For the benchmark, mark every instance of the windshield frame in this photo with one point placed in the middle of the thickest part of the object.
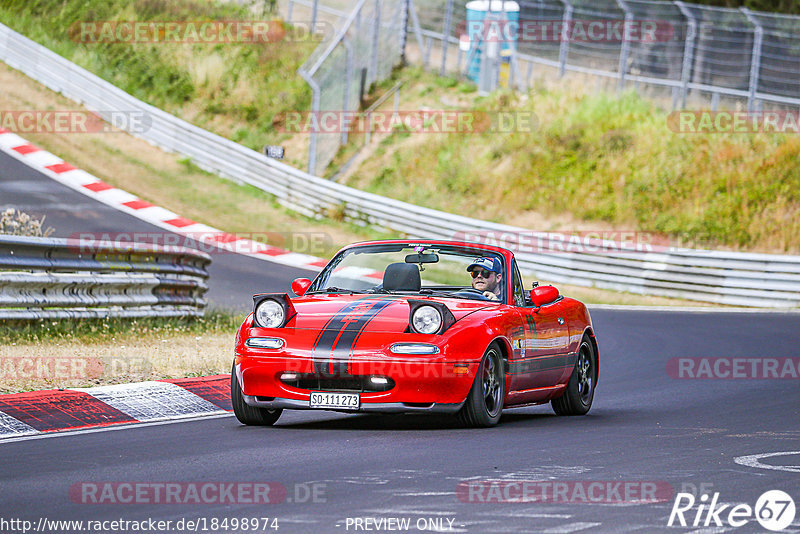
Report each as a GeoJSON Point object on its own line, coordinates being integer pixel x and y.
{"type": "Point", "coordinates": [464, 249]}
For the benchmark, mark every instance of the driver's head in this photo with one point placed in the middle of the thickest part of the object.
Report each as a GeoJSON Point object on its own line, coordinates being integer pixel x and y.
{"type": "Point", "coordinates": [486, 274]}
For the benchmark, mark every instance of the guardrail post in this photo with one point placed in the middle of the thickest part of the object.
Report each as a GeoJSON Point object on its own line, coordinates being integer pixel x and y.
{"type": "Point", "coordinates": [626, 44]}
{"type": "Point", "coordinates": [563, 51]}
{"type": "Point", "coordinates": [373, 68]}
{"type": "Point", "coordinates": [448, 18]}
{"type": "Point", "coordinates": [688, 51]}
{"type": "Point", "coordinates": [755, 58]}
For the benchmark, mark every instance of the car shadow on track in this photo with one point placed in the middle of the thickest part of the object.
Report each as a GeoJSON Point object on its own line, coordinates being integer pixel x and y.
{"type": "Point", "coordinates": [413, 422]}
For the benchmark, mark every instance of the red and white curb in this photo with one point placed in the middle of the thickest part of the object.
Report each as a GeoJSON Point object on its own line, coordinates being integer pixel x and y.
{"type": "Point", "coordinates": [91, 186]}
{"type": "Point", "coordinates": [43, 412]}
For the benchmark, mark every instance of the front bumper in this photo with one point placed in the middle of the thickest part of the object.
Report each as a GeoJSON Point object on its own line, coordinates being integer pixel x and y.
{"type": "Point", "coordinates": [375, 407]}
{"type": "Point", "coordinates": [424, 384]}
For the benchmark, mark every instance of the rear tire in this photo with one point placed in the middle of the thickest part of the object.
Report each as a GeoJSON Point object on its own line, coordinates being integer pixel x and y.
{"type": "Point", "coordinates": [249, 415]}
{"type": "Point", "coordinates": [484, 403]}
{"type": "Point", "coordinates": [579, 394]}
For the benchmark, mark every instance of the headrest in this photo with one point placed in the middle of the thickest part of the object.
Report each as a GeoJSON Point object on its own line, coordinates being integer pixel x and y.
{"type": "Point", "coordinates": [401, 277]}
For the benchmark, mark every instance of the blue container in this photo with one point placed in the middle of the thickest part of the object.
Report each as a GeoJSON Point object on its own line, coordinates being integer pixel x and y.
{"type": "Point", "coordinates": [489, 23]}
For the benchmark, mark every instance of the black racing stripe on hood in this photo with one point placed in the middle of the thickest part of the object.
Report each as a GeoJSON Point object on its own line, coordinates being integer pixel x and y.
{"type": "Point", "coordinates": [336, 339]}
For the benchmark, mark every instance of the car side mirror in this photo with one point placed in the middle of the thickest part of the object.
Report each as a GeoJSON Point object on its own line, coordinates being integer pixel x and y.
{"type": "Point", "coordinates": [542, 295]}
{"type": "Point", "coordinates": [300, 286]}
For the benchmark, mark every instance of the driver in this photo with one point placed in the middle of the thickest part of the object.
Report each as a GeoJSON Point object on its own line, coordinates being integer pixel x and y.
{"type": "Point", "coordinates": [487, 275]}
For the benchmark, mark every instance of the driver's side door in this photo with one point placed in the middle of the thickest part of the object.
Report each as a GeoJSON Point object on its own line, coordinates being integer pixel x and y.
{"type": "Point", "coordinates": [542, 355]}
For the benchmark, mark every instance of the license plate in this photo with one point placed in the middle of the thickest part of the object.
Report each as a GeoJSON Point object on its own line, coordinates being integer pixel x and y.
{"type": "Point", "coordinates": [341, 401]}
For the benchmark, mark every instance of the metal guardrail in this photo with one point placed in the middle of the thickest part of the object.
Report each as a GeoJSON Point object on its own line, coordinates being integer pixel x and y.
{"type": "Point", "coordinates": [43, 278]}
{"type": "Point", "coordinates": [721, 277]}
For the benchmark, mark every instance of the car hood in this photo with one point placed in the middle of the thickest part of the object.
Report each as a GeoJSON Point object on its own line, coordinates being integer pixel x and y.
{"type": "Point", "coordinates": [374, 313]}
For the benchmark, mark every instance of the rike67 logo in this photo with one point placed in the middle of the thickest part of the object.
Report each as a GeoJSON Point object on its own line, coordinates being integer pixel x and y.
{"type": "Point", "coordinates": [774, 510]}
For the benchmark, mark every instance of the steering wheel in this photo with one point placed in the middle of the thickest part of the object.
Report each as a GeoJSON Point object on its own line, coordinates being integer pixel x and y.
{"type": "Point", "coordinates": [472, 293]}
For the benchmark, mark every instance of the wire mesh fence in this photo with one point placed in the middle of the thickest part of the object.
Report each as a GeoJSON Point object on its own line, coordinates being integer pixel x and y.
{"type": "Point", "coordinates": [688, 49]}
{"type": "Point", "coordinates": [367, 45]}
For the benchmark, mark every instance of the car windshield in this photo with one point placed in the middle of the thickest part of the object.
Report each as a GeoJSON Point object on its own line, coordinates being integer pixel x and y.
{"type": "Point", "coordinates": [408, 268]}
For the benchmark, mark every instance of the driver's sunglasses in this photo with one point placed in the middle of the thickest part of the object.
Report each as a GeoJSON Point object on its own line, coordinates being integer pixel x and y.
{"type": "Point", "coordinates": [480, 272]}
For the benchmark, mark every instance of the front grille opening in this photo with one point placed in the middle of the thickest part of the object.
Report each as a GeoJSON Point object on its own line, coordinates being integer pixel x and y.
{"type": "Point", "coordinates": [360, 383]}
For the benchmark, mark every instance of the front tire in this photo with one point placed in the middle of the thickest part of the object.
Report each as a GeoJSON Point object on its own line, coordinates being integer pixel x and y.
{"type": "Point", "coordinates": [484, 403]}
{"type": "Point", "coordinates": [249, 415]}
{"type": "Point", "coordinates": [579, 394]}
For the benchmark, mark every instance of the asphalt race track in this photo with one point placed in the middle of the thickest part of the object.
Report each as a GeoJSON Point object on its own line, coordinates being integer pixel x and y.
{"type": "Point", "coordinates": [645, 427]}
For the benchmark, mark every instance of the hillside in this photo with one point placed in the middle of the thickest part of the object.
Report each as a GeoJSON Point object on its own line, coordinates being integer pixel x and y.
{"type": "Point", "coordinates": [592, 158]}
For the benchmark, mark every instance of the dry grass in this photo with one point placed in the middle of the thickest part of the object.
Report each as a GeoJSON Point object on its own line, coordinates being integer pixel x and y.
{"type": "Point", "coordinates": [128, 358]}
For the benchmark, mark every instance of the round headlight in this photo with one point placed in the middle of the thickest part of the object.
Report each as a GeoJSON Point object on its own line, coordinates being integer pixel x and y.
{"type": "Point", "coordinates": [270, 314]}
{"type": "Point", "coordinates": [426, 320]}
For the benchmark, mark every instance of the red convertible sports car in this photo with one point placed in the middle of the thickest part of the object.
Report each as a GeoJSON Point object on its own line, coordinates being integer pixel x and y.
{"type": "Point", "coordinates": [415, 326]}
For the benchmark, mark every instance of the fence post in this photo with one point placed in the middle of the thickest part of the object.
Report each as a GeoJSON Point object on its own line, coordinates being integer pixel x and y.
{"type": "Point", "coordinates": [688, 51]}
{"type": "Point", "coordinates": [755, 58]}
{"type": "Point", "coordinates": [404, 31]}
{"type": "Point", "coordinates": [417, 28]}
{"type": "Point", "coordinates": [373, 65]}
{"type": "Point", "coordinates": [314, 9]}
{"type": "Point", "coordinates": [348, 81]}
{"type": "Point", "coordinates": [289, 11]}
{"type": "Point", "coordinates": [448, 18]}
{"type": "Point", "coordinates": [626, 44]}
{"type": "Point", "coordinates": [565, 36]}
{"type": "Point", "coordinates": [358, 22]}
{"type": "Point", "coordinates": [312, 145]}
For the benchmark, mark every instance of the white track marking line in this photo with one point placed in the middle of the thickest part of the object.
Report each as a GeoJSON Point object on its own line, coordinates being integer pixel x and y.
{"type": "Point", "coordinates": [571, 527]}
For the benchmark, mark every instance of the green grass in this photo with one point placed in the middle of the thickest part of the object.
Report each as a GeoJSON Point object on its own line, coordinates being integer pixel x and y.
{"type": "Point", "coordinates": [235, 90]}
{"type": "Point", "coordinates": [602, 157]}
